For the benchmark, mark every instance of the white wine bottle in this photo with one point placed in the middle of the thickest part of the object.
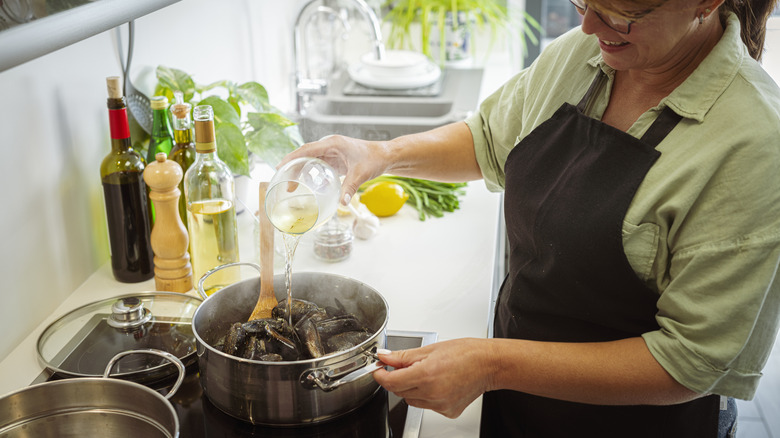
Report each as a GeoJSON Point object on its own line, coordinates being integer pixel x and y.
{"type": "Point", "coordinates": [211, 212]}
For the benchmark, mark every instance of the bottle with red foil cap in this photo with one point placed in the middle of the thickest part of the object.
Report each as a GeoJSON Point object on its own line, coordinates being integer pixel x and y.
{"type": "Point", "coordinates": [126, 197]}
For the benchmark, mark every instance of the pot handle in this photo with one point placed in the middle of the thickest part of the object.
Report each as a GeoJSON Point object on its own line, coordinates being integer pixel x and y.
{"type": "Point", "coordinates": [164, 354]}
{"type": "Point", "coordinates": [203, 278]}
{"type": "Point", "coordinates": [322, 378]}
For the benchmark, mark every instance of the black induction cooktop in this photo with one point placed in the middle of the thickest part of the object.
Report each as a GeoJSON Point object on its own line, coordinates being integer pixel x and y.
{"type": "Point", "coordinates": [384, 415]}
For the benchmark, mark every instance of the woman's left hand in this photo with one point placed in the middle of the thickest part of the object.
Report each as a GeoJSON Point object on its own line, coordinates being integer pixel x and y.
{"type": "Point", "coordinates": [445, 377]}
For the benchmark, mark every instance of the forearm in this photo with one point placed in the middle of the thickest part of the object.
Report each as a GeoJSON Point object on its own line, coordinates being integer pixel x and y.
{"type": "Point", "coordinates": [443, 154]}
{"type": "Point", "coordinates": [608, 373]}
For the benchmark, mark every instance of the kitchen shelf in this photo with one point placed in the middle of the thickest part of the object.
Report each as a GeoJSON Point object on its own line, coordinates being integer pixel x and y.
{"type": "Point", "coordinates": [40, 36]}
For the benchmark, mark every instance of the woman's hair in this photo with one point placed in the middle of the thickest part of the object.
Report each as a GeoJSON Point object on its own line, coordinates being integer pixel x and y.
{"type": "Point", "coordinates": [753, 15]}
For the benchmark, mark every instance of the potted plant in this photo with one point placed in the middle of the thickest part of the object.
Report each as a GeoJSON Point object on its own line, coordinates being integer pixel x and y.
{"type": "Point", "coordinates": [451, 21]}
{"type": "Point", "coordinates": [245, 121]}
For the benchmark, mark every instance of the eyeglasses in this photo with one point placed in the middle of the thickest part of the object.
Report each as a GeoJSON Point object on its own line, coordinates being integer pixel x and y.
{"type": "Point", "coordinates": [619, 25]}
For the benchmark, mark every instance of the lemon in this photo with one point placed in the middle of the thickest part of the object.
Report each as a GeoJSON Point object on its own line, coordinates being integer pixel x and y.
{"type": "Point", "coordinates": [384, 198]}
{"type": "Point", "coordinates": [345, 211]}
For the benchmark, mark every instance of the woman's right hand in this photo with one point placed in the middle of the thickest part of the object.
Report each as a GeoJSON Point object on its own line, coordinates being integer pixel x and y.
{"type": "Point", "coordinates": [445, 153]}
{"type": "Point", "coordinates": [358, 160]}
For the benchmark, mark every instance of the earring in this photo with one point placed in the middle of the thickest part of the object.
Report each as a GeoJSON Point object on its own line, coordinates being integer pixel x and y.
{"type": "Point", "coordinates": [701, 16]}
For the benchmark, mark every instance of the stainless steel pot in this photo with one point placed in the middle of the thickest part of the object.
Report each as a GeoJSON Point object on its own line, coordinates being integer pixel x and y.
{"type": "Point", "coordinates": [294, 392]}
{"type": "Point", "coordinates": [90, 406]}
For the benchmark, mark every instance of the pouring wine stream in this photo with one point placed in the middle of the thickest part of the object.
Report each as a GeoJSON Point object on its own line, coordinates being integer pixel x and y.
{"type": "Point", "coordinates": [302, 195]}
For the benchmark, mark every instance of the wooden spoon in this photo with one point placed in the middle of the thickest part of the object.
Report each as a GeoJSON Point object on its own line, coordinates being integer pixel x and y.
{"type": "Point", "coordinates": [267, 299]}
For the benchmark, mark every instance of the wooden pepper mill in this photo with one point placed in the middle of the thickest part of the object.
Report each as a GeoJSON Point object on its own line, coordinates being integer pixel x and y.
{"type": "Point", "coordinates": [172, 269]}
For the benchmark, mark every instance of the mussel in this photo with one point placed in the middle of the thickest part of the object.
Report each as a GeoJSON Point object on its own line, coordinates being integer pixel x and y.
{"type": "Point", "coordinates": [316, 331]}
{"type": "Point", "coordinates": [338, 324]}
{"type": "Point", "coordinates": [306, 329]}
{"type": "Point", "coordinates": [235, 341]}
{"type": "Point", "coordinates": [298, 308]}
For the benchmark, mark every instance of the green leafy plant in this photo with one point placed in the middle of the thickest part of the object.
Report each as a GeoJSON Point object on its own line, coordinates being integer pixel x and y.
{"type": "Point", "coordinates": [244, 119]}
{"type": "Point", "coordinates": [434, 14]}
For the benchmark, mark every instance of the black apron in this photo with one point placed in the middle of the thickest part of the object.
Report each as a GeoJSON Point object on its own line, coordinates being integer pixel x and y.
{"type": "Point", "coordinates": [568, 187]}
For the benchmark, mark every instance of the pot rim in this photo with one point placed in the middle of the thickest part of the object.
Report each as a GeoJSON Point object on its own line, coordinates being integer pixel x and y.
{"type": "Point", "coordinates": [347, 353]}
{"type": "Point", "coordinates": [129, 385]}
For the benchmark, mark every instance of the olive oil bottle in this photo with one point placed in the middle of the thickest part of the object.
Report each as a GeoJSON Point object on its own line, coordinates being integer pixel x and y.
{"type": "Point", "coordinates": [161, 139]}
{"type": "Point", "coordinates": [126, 199]}
{"type": "Point", "coordinates": [211, 213]}
{"type": "Point", "coordinates": [183, 150]}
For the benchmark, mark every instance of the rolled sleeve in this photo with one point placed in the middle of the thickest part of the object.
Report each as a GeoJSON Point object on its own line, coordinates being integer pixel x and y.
{"type": "Point", "coordinates": [495, 129]}
{"type": "Point", "coordinates": [719, 316]}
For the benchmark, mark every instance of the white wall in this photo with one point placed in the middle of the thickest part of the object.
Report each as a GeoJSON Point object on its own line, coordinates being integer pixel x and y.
{"type": "Point", "coordinates": [54, 130]}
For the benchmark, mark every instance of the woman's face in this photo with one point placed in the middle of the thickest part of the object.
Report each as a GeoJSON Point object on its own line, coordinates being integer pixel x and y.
{"type": "Point", "coordinates": [657, 41]}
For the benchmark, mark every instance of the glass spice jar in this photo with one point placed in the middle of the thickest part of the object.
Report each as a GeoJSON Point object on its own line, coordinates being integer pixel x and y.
{"type": "Point", "coordinates": [333, 241]}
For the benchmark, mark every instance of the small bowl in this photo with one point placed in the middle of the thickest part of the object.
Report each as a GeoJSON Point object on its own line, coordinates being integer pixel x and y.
{"type": "Point", "coordinates": [395, 63]}
{"type": "Point", "coordinates": [333, 242]}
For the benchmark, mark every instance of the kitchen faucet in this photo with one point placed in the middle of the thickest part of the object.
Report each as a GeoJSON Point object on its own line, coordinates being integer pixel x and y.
{"type": "Point", "coordinates": [304, 84]}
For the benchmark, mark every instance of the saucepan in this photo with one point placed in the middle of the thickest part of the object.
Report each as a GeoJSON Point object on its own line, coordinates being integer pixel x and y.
{"type": "Point", "coordinates": [80, 407]}
{"type": "Point", "coordinates": [289, 393]}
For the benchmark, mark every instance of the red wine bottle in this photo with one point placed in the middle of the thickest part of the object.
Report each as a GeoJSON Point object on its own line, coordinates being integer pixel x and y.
{"type": "Point", "coordinates": [125, 194]}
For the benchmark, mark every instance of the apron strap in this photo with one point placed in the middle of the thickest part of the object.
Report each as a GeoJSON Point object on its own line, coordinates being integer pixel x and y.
{"type": "Point", "coordinates": [662, 126]}
{"type": "Point", "coordinates": [595, 86]}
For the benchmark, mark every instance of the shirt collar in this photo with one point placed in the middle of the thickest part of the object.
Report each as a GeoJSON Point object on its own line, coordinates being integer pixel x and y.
{"type": "Point", "coordinates": [696, 95]}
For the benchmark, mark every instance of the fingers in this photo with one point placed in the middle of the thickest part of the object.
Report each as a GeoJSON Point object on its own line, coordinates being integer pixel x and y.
{"type": "Point", "coordinates": [317, 149]}
{"type": "Point", "coordinates": [357, 160]}
{"type": "Point", "coordinates": [351, 185]}
{"type": "Point", "coordinates": [445, 377]}
{"type": "Point", "coordinates": [401, 358]}
{"type": "Point", "coordinates": [406, 376]}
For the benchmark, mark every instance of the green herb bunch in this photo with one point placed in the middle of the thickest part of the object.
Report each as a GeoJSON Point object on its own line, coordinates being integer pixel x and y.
{"type": "Point", "coordinates": [429, 198]}
{"type": "Point", "coordinates": [244, 119]}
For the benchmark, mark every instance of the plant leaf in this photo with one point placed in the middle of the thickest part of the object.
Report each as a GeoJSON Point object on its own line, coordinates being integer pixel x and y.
{"type": "Point", "coordinates": [255, 95]}
{"type": "Point", "coordinates": [259, 121]}
{"type": "Point", "coordinates": [223, 111]}
{"type": "Point", "coordinates": [231, 148]}
{"type": "Point", "coordinates": [273, 142]}
{"type": "Point", "coordinates": [173, 79]}
{"type": "Point", "coordinates": [203, 88]}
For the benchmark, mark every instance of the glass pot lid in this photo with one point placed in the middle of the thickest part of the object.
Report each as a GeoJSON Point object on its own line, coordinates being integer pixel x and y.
{"type": "Point", "coordinates": [81, 342]}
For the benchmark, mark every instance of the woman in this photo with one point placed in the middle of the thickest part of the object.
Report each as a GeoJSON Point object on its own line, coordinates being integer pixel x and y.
{"type": "Point", "coordinates": [641, 166]}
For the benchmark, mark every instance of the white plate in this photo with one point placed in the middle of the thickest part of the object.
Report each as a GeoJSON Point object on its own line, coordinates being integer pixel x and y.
{"type": "Point", "coordinates": [395, 63]}
{"type": "Point", "coordinates": [360, 74]}
{"type": "Point", "coordinates": [394, 59]}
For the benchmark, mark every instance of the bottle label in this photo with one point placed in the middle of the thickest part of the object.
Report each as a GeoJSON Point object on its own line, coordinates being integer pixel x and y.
{"type": "Point", "coordinates": [117, 120]}
{"type": "Point", "coordinates": [205, 148]}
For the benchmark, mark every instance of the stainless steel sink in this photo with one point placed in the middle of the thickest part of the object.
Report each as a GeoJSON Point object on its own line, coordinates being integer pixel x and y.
{"type": "Point", "coordinates": [381, 115]}
{"type": "Point", "coordinates": [371, 108]}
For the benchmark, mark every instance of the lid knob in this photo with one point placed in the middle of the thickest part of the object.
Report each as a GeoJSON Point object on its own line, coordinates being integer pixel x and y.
{"type": "Point", "coordinates": [128, 313]}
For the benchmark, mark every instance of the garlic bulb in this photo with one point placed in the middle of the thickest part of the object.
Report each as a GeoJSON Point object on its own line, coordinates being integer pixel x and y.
{"type": "Point", "coordinates": [366, 223]}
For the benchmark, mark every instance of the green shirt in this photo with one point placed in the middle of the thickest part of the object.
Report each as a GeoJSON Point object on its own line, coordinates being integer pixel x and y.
{"type": "Point", "coordinates": [703, 229]}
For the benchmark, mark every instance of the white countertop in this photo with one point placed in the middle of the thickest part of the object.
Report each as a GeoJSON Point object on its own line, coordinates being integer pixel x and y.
{"type": "Point", "coordinates": [436, 275]}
